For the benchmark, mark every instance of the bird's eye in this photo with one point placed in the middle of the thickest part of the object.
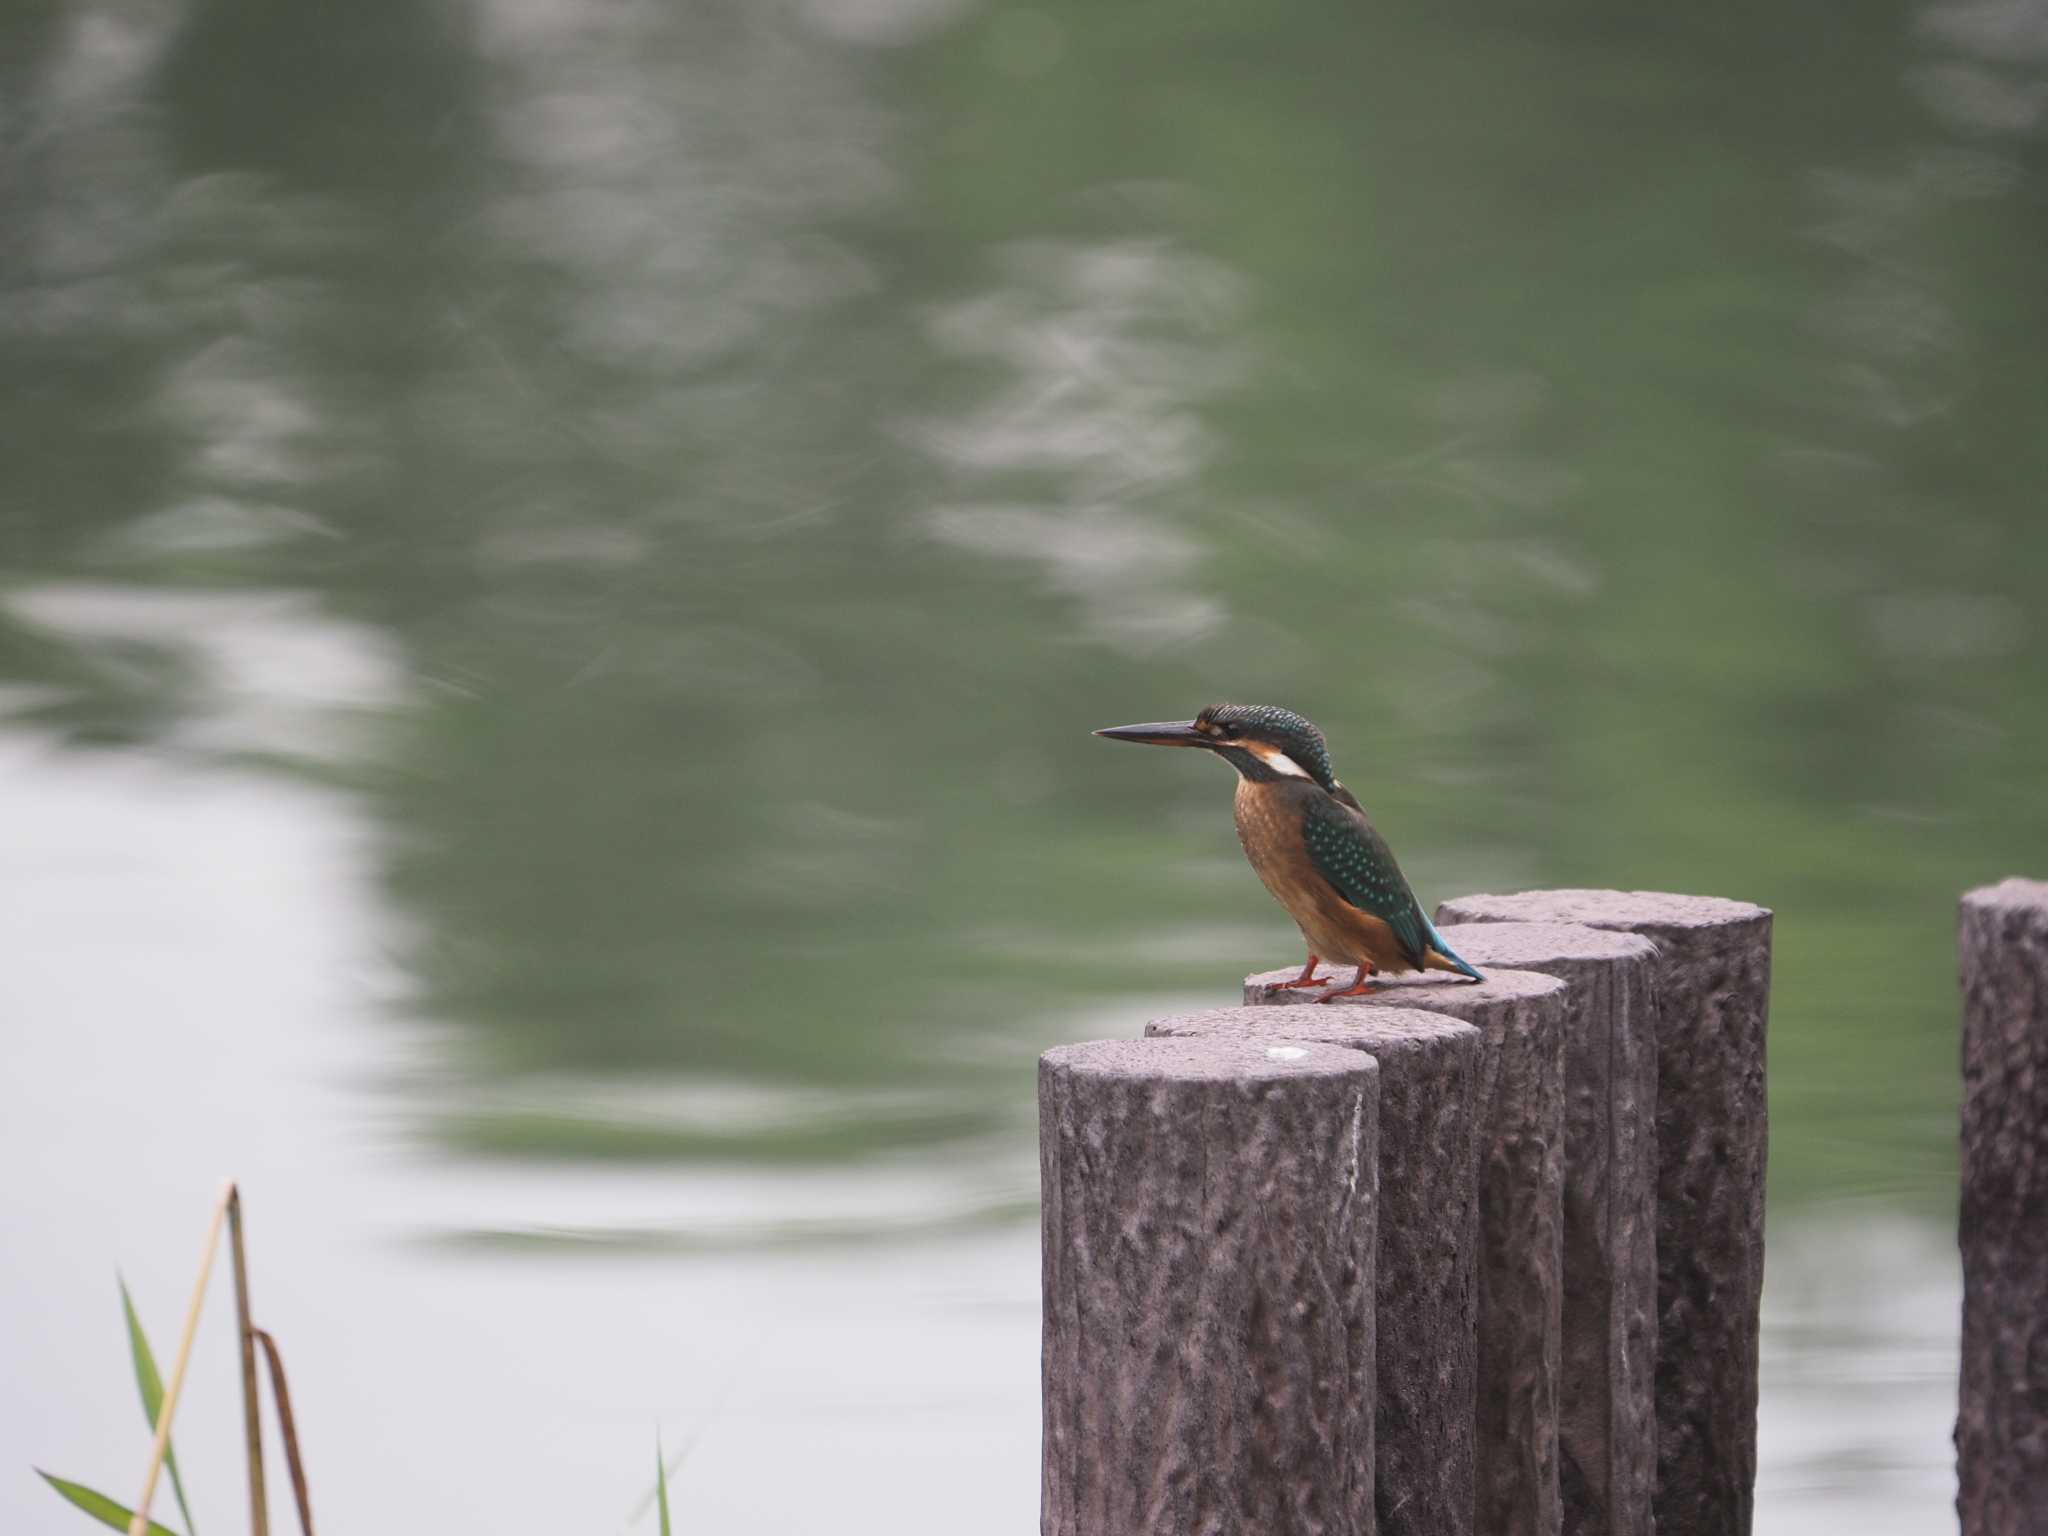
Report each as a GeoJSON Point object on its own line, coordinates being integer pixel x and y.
{"type": "Point", "coordinates": [1230, 730]}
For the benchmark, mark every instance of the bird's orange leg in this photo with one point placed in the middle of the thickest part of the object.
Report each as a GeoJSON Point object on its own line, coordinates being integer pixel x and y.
{"type": "Point", "coordinates": [1307, 978]}
{"type": "Point", "coordinates": [1358, 988]}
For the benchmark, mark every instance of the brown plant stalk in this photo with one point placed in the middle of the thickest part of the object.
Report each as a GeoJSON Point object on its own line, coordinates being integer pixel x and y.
{"type": "Point", "coordinates": [289, 1429]}
{"type": "Point", "coordinates": [252, 1405]}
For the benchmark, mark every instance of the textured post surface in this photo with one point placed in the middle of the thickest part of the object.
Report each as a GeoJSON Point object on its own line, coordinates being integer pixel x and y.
{"type": "Point", "coordinates": [2002, 1420]}
{"type": "Point", "coordinates": [1607, 1405]}
{"type": "Point", "coordinates": [1209, 1226]}
{"type": "Point", "coordinates": [1520, 1018]}
{"type": "Point", "coordinates": [1428, 1242]}
{"type": "Point", "coordinates": [1714, 983]}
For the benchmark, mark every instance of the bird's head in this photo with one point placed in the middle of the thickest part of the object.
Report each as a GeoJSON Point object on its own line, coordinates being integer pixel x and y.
{"type": "Point", "coordinates": [1259, 740]}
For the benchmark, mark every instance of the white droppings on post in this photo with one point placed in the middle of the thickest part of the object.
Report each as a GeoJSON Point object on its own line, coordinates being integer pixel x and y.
{"type": "Point", "coordinates": [1284, 1053]}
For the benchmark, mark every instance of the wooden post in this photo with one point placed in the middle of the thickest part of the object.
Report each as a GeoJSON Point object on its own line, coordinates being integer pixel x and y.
{"type": "Point", "coordinates": [1713, 981]}
{"type": "Point", "coordinates": [1209, 1226]}
{"type": "Point", "coordinates": [1428, 1243]}
{"type": "Point", "coordinates": [1607, 1403]}
{"type": "Point", "coordinates": [2002, 1420]}
{"type": "Point", "coordinates": [1521, 1019]}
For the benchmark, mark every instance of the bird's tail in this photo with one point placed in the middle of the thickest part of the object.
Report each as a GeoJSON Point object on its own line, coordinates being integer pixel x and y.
{"type": "Point", "coordinates": [1441, 957]}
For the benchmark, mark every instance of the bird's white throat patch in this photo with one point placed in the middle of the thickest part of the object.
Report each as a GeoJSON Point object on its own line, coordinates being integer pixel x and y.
{"type": "Point", "coordinates": [1276, 760]}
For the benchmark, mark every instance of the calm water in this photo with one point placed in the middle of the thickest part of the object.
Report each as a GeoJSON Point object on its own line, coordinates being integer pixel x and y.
{"type": "Point", "coordinates": [557, 559]}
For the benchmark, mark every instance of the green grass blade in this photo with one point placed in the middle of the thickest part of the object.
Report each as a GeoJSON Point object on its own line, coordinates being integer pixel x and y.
{"type": "Point", "coordinates": [152, 1387]}
{"type": "Point", "coordinates": [661, 1483]}
{"type": "Point", "coordinates": [98, 1505]}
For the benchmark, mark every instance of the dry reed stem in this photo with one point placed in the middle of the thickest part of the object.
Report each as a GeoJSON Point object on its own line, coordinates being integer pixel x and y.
{"type": "Point", "coordinates": [289, 1429]}
{"type": "Point", "coordinates": [252, 1406]}
{"type": "Point", "coordinates": [138, 1524]}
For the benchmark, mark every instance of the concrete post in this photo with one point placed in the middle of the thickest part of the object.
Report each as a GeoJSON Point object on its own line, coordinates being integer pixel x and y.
{"type": "Point", "coordinates": [2002, 1421]}
{"type": "Point", "coordinates": [1607, 1405]}
{"type": "Point", "coordinates": [1428, 1243]}
{"type": "Point", "coordinates": [1209, 1231]}
{"type": "Point", "coordinates": [1713, 980]}
{"type": "Point", "coordinates": [1521, 1020]}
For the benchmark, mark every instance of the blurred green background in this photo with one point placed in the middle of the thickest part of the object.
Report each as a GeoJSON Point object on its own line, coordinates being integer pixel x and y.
{"type": "Point", "coordinates": [743, 447]}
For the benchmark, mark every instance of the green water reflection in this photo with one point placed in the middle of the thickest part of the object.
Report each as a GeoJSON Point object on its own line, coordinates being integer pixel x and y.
{"type": "Point", "coordinates": [764, 439]}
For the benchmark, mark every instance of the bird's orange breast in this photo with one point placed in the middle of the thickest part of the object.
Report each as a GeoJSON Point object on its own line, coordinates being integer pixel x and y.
{"type": "Point", "coordinates": [1269, 827]}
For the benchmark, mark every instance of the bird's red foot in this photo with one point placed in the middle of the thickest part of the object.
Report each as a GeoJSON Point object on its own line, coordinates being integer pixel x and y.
{"type": "Point", "coordinates": [1358, 988]}
{"type": "Point", "coordinates": [1307, 978]}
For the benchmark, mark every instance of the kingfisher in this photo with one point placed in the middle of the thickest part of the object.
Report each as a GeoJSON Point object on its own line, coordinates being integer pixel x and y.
{"type": "Point", "coordinates": [1312, 844]}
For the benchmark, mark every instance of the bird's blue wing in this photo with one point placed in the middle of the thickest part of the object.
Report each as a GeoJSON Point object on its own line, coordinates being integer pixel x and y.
{"type": "Point", "coordinates": [1349, 852]}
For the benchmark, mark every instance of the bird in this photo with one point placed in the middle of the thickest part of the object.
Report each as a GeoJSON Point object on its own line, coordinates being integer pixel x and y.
{"type": "Point", "coordinates": [1312, 845]}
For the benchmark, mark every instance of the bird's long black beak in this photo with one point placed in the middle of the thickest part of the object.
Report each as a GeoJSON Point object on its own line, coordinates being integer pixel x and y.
{"type": "Point", "coordinates": [1160, 733]}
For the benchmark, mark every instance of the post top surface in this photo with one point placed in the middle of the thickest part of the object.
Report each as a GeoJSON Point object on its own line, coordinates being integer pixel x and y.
{"type": "Point", "coordinates": [1523, 944]}
{"type": "Point", "coordinates": [2015, 893]}
{"type": "Point", "coordinates": [1349, 1028]}
{"type": "Point", "coordinates": [1431, 990]}
{"type": "Point", "coordinates": [1275, 1055]}
{"type": "Point", "coordinates": [1603, 909]}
